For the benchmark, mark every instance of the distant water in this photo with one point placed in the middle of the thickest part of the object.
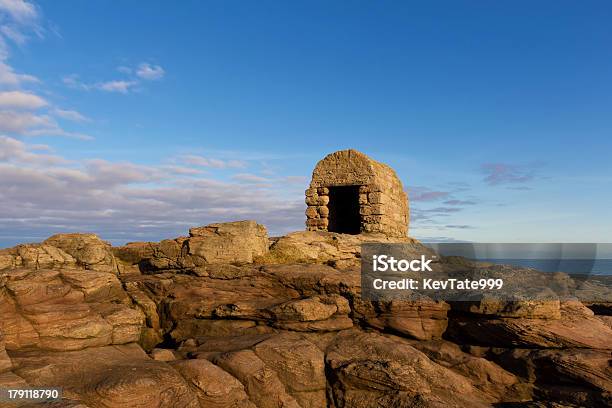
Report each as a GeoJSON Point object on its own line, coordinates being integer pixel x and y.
{"type": "Point", "coordinates": [570, 266]}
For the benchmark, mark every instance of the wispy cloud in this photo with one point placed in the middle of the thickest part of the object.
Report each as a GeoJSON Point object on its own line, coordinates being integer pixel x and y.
{"type": "Point", "coordinates": [116, 86]}
{"type": "Point", "coordinates": [249, 178]}
{"type": "Point", "coordinates": [502, 173]}
{"type": "Point", "coordinates": [71, 115]}
{"type": "Point", "coordinates": [458, 226]}
{"type": "Point", "coordinates": [201, 161]}
{"type": "Point", "coordinates": [459, 202]}
{"type": "Point", "coordinates": [132, 81]}
{"type": "Point", "coordinates": [150, 72]}
{"type": "Point", "coordinates": [18, 18]}
{"type": "Point", "coordinates": [426, 194]}
{"type": "Point", "coordinates": [8, 76]}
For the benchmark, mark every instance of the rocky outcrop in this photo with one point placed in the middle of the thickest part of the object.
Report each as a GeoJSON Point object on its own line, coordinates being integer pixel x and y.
{"type": "Point", "coordinates": [116, 376]}
{"type": "Point", "coordinates": [571, 325]}
{"type": "Point", "coordinates": [338, 250]}
{"type": "Point", "coordinates": [65, 310]}
{"type": "Point", "coordinates": [217, 319]}
{"type": "Point", "coordinates": [213, 386]}
{"type": "Point", "coordinates": [423, 320]}
{"type": "Point", "coordinates": [370, 369]}
{"type": "Point", "coordinates": [62, 251]}
{"type": "Point", "coordinates": [232, 243]}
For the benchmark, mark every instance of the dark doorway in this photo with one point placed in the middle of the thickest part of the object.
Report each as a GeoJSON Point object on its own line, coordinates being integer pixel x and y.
{"type": "Point", "coordinates": [344, 210]}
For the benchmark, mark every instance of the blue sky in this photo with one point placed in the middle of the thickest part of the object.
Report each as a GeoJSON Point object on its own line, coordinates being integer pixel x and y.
{"type": "Point", "coordinates": [140, 119]}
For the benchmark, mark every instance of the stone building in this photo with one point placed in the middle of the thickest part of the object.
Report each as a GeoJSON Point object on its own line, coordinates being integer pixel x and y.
{"type": "Point", "coordinates": [352, 194]}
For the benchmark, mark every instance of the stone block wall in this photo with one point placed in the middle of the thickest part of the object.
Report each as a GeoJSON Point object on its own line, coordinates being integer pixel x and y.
{"type": "Point", "coordinates": [383, 203]}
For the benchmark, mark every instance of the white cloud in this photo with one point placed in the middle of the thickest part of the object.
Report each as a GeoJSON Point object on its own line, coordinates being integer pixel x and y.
{"type": "Point", "coordinates": [249, 178]}
{"type": "Point", "coordinates": [150, 72]}
{"type": "Point", "coordinates": [70, 115]}
{"type": "Point", "coordinates": [16, 18]}
{"type": "Point", "coordinates": [23, 122]}
{"type": "Point", "coordinates": [9, 77]}
{"type": "Point", "coordinates": [196, 160]}
{"type": "Point", "coordinates": [19, 10]}
{"type": "Point", "coordinates": [13, 34]}
{"type": "Point", "coordinates": [19, 109]}
{"type": "Point", "coordinates": [21, 100]}
{"type": "Point", "coordinates": [31, 124]}
{"type": "Point", "coordinates": [13, 150]}
{"type": "Point", "coordinates": [117, 86]}
{"type": "Point", "coordinates": [144, 71]}
{"type": "Point", "coordinates": [125, 201]}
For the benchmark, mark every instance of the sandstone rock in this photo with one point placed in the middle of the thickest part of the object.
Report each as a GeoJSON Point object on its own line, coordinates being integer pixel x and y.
{"type": "Point", "coordinates": [576, 377]}
{"type": "Point", "coordinates": [11, 380]}
{"type": "Point", "coordinates": [369, 369]}
{"type": "Point", "coordinates": [214, 346]}
{"type": "Point", "coordinates": [340, 250]}
{"type": "Point", "coordinates": [299, 365]}
{"type": "Point", "coordinates": [261, 383]}
{"type": "Point", "coordinates": [127, 323]}
{"type": "Point", "coordinates": [311, 279]}
{"type": "Point", "coordinates": [483, 374]}
{"type": "Point", "coordinates": [5, 361]}
{"type": "Point", "coordinates": [88, 250]}
{"type": "Point", "coordinates": [607, 320]}
{"type": "Point", "coordinates": [334, 323]}
{"type": "Point", "coordinates": [35, 256]}
{"type": "Point", "coordinates": [529, 309]}
{"type": "Point", "coordinates": [214, 387]}
{"type": "Point", "coordinates": [162, 355]}
{"type": "Point", "coordinates": [62, 310]}
{"type": "Point", "coordinates": [423, 320]}
{"type": "Point", "coordinates": [111, 376]}
{"type": "Point", "coordinates": [309, 309]}
{"type": "Point", "coordinates": [194, 328]}
{"type": "Point", "coordinates": [577, 327]}
{"type": "Point", "coordinates": [232, 242]}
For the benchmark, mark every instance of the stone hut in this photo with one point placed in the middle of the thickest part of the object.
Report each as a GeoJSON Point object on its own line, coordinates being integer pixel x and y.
{"type": "Point", "coordinates": [352, 194]}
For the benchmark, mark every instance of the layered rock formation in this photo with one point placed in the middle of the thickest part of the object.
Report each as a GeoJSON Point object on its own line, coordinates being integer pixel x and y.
{"type": "Point", "coordinates": [229, 318]}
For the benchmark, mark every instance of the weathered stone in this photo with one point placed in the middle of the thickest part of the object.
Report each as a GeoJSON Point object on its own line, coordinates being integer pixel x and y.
{"type": "Point", "coordinates": [158, 354]}
{"type": "Point", "coordinates": [88, 250]}
{"type": "Point", "coordinates": [111, 376]}
{"type": "Point", "coordinates": [262, 383]}
{"type": "Point", "coordinates": [66, 311]}
{"type": "Point", "coordinates": [483, 374]}
{"type": "Point", "coordinates": [232, 242]}
{"type": "Point", "coordinates": [304, 310]}
{"type": "Point", "coordinates": [369, 369]}
{"type": "Point", "coordinates": [323, 247]}
{"type": "Point", "coordinates": [576, 377]}
{"type": "Point", "coordinates": [214, 387]}
{"type": "Point", "coordinates": [576, 327]}
{"type": "Point", "coordinates": [299, 365]}
{"type": "Point", "coordinates": [423, 320]}
{"type": "Point", "coordinates": [5, 361]}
